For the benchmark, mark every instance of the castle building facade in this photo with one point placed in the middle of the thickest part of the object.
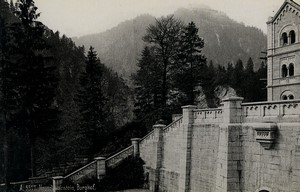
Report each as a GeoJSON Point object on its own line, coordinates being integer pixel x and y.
{"type": "Point", "coordinates": [284, 53]}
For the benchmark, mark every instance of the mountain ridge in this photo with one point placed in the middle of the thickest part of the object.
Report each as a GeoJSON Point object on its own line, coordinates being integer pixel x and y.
{"type": "Point", "coordinates": [225, 39]}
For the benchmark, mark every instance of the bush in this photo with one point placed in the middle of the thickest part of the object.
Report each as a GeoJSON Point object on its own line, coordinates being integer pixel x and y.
{"type": "Point", "coordinates": [127, 175]}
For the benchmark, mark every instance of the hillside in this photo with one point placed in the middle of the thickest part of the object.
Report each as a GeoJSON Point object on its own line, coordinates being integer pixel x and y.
{"type": "Point", "coordinates": [225, 39]}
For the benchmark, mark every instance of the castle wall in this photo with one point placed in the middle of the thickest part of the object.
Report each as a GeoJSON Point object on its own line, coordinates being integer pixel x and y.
{"type": "Point", "coordinates": [172, 150]}
{"type": "Point", "coordinates": [222, 150]}
{"type": "Point", "coordinates": [277, 169]}
{"type": "Point", "coordinates": [205, 142]}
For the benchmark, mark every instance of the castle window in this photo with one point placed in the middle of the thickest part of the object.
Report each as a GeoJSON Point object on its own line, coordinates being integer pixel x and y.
{"type": "Point", "coordinates": [291, 69]}
{"type": "Point", "coordinates": [284, 71]}
{"type": "Point", "coordinates": [284, 39]}
{"type": "Point", "coordinates": [284, 97]}
{"type": "Point", "coordinates": [287, 95]}
{"type": "Point", "coordinates": [292, 37]}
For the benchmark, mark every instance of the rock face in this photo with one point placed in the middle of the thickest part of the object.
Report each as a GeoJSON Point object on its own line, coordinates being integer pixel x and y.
{"type": "Point", "coordinates": [221, 92]}
{"type": "Point", "coordinates": [121, 46]}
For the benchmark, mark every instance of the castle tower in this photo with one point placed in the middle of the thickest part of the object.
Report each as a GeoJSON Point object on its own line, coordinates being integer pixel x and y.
{"type": "Point", "coordinates": [284, 53]}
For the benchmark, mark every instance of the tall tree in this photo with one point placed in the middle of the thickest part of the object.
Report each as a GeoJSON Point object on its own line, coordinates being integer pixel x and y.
{"type": "Point", "coordinates": [36, 79]}
{"type": "Point", "coordinates": [189, 68]}
{"type": "Point", "coordinates": [163, 37]}
{"type": "Point", "coordinates": [148, 83]}
{"type": "Point", "coordinates": [5, 90]}
{"type": "Point", "coordinates": [91, 101]}
{"type": "Point", "coordinates": [238, 78]}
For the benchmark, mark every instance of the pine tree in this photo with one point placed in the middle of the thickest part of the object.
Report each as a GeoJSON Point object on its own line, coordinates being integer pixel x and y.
{"type": "Point", "coordinates": [91, 102]}
{"type": "Point", "coordinates": [250, 82]}
{"type": "Point", "coordinates": [148, 83]}
{"type": "Point", "coordinates": [5, 90]}
{"type": "Point", "coordinates": [238, 78]}
{"type": "Point", "coordinates": [36, 80]}
{"type": "Point", "coordinates": [189, 68]}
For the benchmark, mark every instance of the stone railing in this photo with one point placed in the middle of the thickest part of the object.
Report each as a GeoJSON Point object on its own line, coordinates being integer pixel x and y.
{"type": "Point", "coordinates": [87, 170]}
{"type": "Point", "coordinates": [173, 125]}
{"type": "Point", "coordinates": [146, 138]}
{"type": "Point", "coordinates": [214, 115]}
{"type": "Point", "coordinates": [114, 160]}
{"type": "Point", "coordinates": [274, 111]}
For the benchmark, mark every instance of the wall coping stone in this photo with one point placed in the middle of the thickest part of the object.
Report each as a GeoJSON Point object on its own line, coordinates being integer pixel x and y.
{"type": "Point", "coordinates": [233, 99]}
{"type": "Point", "coordinates": [271, 102]}
{"type": "Point", "coordinates": [135, 139]}
{"type": "Point", "coordinates": [159, 126]}
{"type": "Point", "coordinates": [57, 177]}
{"type": "Point", "coordinates": [189, 107]}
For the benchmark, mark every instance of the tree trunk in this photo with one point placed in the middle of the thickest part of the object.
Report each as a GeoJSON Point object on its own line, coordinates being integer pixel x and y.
{"type": "Point", "coordinates": [164, 84]}
{"type": "Point", "coordinates": [5, 151]}
{"type": "Point", "coordinates": [32, 160]}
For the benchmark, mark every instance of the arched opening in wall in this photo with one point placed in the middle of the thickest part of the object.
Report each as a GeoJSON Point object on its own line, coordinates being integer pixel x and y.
{"type": "Point", "coordinates": [284, 38]}
{"type": "Point", "coordinates": [284, 71]}
{"type": "Point", "coordinates": [263, 191]}
{"type": "Point", "coordinates": [287, 95]}
{"type": "Point", "coordinates": [291, 69]}
{"type": "Point", "coordinates": [291, 97]}
{"type": "Point", "coordinates": [292, 36]}
{"type": "Point", "coordinates": [284, 97]}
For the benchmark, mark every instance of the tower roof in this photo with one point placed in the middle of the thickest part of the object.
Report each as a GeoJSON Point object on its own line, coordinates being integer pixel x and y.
{"type": "Point", "coordinates": [294, 3]}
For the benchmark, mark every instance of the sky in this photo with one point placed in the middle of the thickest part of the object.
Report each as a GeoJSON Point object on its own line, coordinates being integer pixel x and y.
{"type": "Point", "coordinates": [82, 17]}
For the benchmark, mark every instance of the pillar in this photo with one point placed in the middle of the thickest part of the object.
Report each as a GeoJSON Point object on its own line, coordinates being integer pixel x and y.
{"type": "Point", "coordinates": [229, 160]}
{"type": "Point", "coordinates": [57, 181]}
{"type": "Point", "coordinates": [100, 167]}
{"type": "Point", "coordinates": [158, 144]}
{"type": "Point", "coordinates": [136, 147]}
{"type": "Point", "coordinates": [185, 159]}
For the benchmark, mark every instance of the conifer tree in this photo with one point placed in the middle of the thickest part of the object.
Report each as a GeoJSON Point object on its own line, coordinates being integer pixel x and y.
{"type": "Point", "coordinates": [148, 83]}
{"type": "Point", "coordinates": [36, 81]}
{"type": "Point", "coordinates": [189, 68]}
{"type": "Point", "coordinates": [91, 101]}
{"type": "Point", "coordinates": [238, 78]}
{"type": "Point", "coordinates": [5, 89]}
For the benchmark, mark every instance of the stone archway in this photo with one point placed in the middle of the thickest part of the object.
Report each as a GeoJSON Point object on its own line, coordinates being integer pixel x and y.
{"type": "Point", "coordinates": [264, 189]}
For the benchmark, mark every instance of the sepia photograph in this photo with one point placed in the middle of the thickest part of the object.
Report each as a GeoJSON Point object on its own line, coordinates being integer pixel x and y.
{"type": "Point", "coordinates": [149, 96]}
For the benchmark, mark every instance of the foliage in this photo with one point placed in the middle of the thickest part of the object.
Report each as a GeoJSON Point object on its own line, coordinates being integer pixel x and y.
{"type": "Point", "coordinates": [189, 68]}
{"type": "Point", "coordinates": [91, 102]}
{"type": "Point", "coordinates": [39, 81]}
{"type": "Point", "coordinates": [129, 174]}
{"type": "Point", "coordinates": [170, 69]}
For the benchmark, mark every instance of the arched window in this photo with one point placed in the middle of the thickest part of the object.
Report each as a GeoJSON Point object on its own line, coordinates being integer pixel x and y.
{"type": "Point", "coordinates": [291, 69]}
{"type": "Point", "coordinates": [291, 97]}
{"type": "Point", "coordinates": [284, 97]}
{"type": "Point", "coordinates": [284, 39]}
{"type": "Point", "coordinates": [287, 95]}
{"type": "Point", "coordinates": [284, 71]}
{"type": "Point", "coordinates": [292, 36]}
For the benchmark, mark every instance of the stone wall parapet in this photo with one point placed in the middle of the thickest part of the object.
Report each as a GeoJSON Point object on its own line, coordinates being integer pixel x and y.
{"type": "Point", "coordinates": [112, 161]}
{"type": "Point", "coordinates": [175, 124]}
{"type": "Point", "coordinates": [208, 115]}
{"type": "Point", "coordinates": [91, 167]}
{"type": "Point", "coordinates": [275, 111]}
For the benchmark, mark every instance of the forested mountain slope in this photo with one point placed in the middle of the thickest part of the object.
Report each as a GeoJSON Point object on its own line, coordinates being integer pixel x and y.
{"type": "Point", "coordinates": [225, 39]}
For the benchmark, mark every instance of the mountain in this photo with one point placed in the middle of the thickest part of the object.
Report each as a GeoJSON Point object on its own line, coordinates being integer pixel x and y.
{"type": "Point", "coordinates": [225, 39]}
